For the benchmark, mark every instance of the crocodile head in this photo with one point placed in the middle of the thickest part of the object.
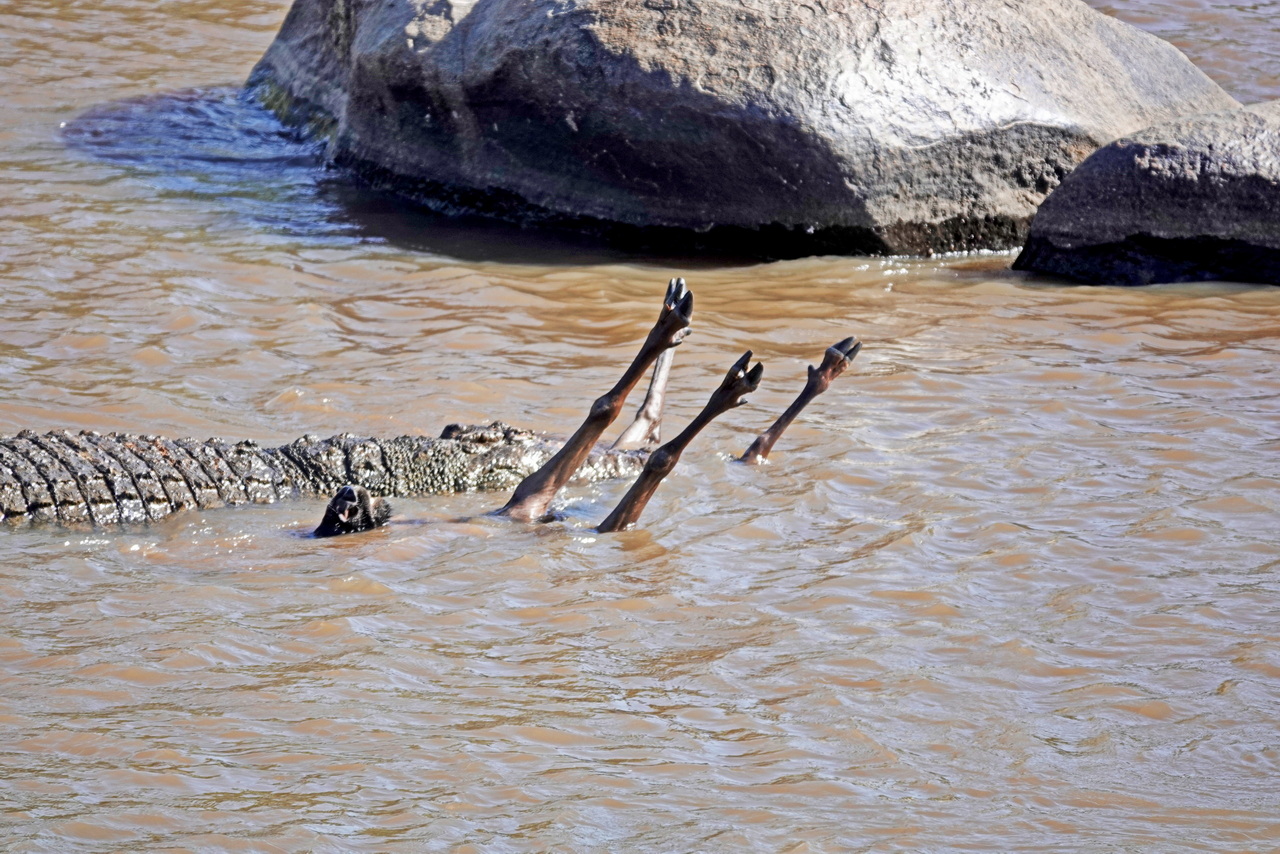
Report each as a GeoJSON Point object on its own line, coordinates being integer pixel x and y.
{"type": "Point", "coordinates": [353, 509]}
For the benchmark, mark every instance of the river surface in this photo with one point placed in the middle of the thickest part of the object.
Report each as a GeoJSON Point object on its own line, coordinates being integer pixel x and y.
{"type": "Point", "coordinates": [1012, 584]}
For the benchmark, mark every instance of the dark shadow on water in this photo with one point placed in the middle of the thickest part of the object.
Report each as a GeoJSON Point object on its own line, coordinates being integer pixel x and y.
{"type": "Point", "coordinates": [220, 148]}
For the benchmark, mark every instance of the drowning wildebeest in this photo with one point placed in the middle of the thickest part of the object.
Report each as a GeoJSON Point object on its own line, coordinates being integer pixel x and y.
{"type": "Point", "coordinates": [354, 508]}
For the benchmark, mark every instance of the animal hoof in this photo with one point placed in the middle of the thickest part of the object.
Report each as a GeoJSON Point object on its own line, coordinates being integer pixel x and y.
{"type": "Point", "coordinates": [737, 383]}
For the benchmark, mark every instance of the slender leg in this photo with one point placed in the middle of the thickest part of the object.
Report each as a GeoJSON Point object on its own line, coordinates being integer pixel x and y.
{"type": "Point", "coordinates": [834, 361]}
{"type": "Point", "coordinates": [738, 382]}
{"type": "Point", "coordinates": [353, 509]}
{"type": "Point", "coordinates": [646, 430]}
{"type": "Point", "coordinates": [535, 493]}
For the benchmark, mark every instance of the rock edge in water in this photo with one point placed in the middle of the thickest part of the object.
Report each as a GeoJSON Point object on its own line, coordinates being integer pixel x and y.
{"type": "Point", "coordinates": [898, 127]}
{"type": "Point", "coordinates": [1194, 199]}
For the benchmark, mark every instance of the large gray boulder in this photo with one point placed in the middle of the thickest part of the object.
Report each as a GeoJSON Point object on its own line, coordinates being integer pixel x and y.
{"type": "Point", "coordinates": [885, 126]}
{"type": "Point", "coordinates": [1188, 200]}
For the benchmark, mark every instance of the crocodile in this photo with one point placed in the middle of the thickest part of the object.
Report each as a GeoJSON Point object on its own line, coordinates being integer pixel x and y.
{"type": "Point", "coordinates": [92, 479]}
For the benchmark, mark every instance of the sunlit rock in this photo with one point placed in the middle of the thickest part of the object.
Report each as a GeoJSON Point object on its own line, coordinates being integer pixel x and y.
{"type": "Point", "coordinates": [1188, 200]}
{"type": "Point", "coordinates": [898, 126]}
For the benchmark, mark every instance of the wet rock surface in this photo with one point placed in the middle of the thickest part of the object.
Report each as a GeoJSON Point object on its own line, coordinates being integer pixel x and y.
{"type": "Point", "coordinates": [899, 126]}
{"type": "Point", "coordinates": [1189, 200]}
{"type": "Point", "coordinates": [91, 479]}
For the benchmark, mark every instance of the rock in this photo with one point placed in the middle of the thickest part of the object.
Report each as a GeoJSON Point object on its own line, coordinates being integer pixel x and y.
{"type": "Point", "coordinates": [1188, 200]}
{"type": "Point", "coordinates": [848, 126]}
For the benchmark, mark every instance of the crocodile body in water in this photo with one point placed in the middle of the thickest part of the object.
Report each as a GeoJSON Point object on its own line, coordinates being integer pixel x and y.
{"type": "Point", "coordinates": [90, 479]}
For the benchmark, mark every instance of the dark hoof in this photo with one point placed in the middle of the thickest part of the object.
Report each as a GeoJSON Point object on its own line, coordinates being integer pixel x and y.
{"type": "Point", "coordinates": [677, 312]}
{"type": "Point", "coordinates": [848, 348]}
{"type": "Point", "coordinates": [737, 383]}
{"type": "Point", "coordinates": [834, 361]}
{"type": "Point", "coordinates": [353, 509]}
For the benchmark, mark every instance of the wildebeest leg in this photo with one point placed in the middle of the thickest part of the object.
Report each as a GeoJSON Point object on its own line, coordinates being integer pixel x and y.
{"type": "Point", "coordinates": [533, 496]}
{"type": "Point", "coordinates": [646, 430]}
{"type": "Point", "coordinates": [738, 382]}
{"type": "Point", "coordinates": [834, 361]}
{"type": "Point", "coordinates": [353, 509]}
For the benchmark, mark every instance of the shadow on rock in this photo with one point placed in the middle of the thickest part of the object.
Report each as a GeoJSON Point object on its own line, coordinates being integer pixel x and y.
{"type": "Point", "coordinates": [222, 148]}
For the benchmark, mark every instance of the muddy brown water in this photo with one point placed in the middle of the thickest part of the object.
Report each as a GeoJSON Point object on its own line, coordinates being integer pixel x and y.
{"type": "Point", "coordinates": [1011, 585]}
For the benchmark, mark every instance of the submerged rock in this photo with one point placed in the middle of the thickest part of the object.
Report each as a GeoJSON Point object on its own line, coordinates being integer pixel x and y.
{"type": "Point", "coordinates": [1193, 199]}
{"type": "Point", "coordinates": [848, 126]}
